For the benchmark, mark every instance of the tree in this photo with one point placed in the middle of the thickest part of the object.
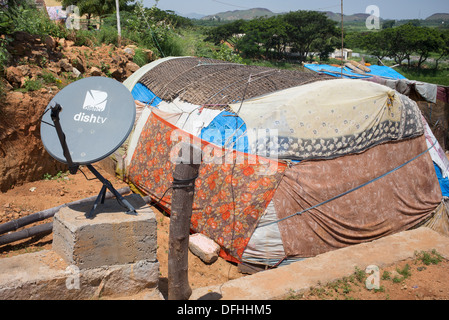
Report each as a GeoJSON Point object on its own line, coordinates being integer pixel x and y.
{"type": "Point", "coordinates": [325, 46]}
{"type": "Point", "coordinates": [401, 40]}
{"type": "Point", "coordinates": [94, 8]}
{"type": "Point", "coordinates": [387, 24]}
{"type": "Point", "coordinates": [426, 41]}
{"type": "Point", "coordinates": [376, 43]}
{"type": "Point", "coordinates": [263, 37]}
{"type": "Point", "coordinates": [443, 50]}
{"type": "Point", "coordinates": [225, 32]}
{"type": "Point", "coordinates": [306, 27]}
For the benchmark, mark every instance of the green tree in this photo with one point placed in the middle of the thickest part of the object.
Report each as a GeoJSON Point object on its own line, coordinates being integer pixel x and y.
{"type": "Point", "coordinates": [304, 28]}
{"type": "Point", "coordinates": [264, 37]}
{"type": "Point", "coordinates": [443, 50]}
{"type": "Point", "coordinates": [225, 32]}
{"type": "Point", "coordinates": [377, 44]}
{"type": "Point", "coordinates": [426, 41]}
{"type": "Point", "coordinates": [95, 8]}
{"type": "Point", "coordinates": [387, 24]}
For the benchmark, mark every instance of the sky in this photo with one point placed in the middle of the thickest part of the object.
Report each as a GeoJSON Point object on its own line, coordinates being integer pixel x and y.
{"type": "Point", "coordinates": [389, 9]}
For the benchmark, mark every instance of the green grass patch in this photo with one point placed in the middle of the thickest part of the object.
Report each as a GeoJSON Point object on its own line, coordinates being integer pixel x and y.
{"type": "Point", "coordinates": [429, 258]}
{"type": "Point", "coordinates": [440, 76]}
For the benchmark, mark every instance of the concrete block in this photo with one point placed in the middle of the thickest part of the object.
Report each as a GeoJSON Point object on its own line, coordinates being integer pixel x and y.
{"type": "Point", "coordinates": [45, 276]}
{"type": "Point", "coordinates": [111, 238]}
{"type": "Point", "coordinates": [204, 248]}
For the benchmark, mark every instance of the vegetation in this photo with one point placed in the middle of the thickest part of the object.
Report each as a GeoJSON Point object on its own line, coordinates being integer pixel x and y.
{"type": "Point", "coordinates": [400, 43]}
{"type": "Point", "coordinates": [420, 47]}
{"type": "Point", "coordinates": [278, 37]}
{"type": "Point", "coordinates": [348, 287]}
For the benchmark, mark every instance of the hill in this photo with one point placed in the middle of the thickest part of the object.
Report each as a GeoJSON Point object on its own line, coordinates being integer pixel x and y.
{"type": "Point", "coordinates": [262, 12]}
{"type": "Point", "coordinates": [438, 17]}
{"type": "Point", "coordinates": [240, 14]}
{"type": "Point", "coordinates": [357, 17]}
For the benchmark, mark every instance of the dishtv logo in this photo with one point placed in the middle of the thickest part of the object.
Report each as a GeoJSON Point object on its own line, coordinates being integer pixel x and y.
{"type": "Point", "coordinates": [95, 101]}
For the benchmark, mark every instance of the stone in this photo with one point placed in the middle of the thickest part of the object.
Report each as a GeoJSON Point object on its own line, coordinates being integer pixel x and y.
{"type": "Point", "coordinates": [112, 237]}
{"type": "Point", "coordinates": [129, 51]}
{"type": "Point", "coordinates": [14, 76]}
{"type": "Point", "coordinates": [75, 72]}
{"type": "Point", "coordinates": [25, 70]}
{"type": "Point", "coordinates": [45, 276]}
{"type": "Point", "coordinates": [117, 73]}
{"type": "Point", "coordinates": [131, 66]}
{"type": "Point", "coordinates": [204, 248]}
{"type": "Point", "coordinates": [95, 72]}
{"type": "Point", "coordinates": [50, 43]}
{"type": "Point", "coordinates": [65, 65]}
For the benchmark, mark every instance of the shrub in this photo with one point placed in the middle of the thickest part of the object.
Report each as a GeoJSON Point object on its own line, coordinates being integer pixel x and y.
{"type": "Point", "coordinates": [32, 85]}
{"type": "Point", "coordinates": [140, 57]}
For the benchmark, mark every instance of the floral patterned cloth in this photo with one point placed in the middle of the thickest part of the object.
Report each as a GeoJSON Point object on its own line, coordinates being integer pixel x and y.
{"type": "Point", "coordinates": [232, 190]}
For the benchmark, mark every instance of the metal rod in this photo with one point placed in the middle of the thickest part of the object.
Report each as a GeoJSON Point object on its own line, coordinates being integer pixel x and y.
{"type": "Point", "coordinates": [107, 185]}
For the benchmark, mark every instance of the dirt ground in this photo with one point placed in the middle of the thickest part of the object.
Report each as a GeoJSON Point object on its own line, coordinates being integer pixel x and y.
{"type": "Point", "coordinates": [64, 188]}
{"type": "Point", "coordinates": [423, 282]}
{"type": "Point", "coordinates": [407, 280]}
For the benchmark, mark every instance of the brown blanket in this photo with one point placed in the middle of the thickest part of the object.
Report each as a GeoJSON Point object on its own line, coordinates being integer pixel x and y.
{"type": "Point", "coordinates": [392, 204]}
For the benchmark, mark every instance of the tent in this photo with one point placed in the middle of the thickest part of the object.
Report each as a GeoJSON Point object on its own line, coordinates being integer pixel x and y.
{"type": "Point", "coordinates": [294, 164]}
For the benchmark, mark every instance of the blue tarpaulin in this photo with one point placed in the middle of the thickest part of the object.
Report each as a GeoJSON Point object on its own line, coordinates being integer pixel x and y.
{"type": "Point", "coordinates": [227, 130]}
{"type": "Point", "coordinates": [380, 71]}
{"type": "Point", "coordinates": [145, 95]}
{"type": "Point", "coordinates": [444, 182]}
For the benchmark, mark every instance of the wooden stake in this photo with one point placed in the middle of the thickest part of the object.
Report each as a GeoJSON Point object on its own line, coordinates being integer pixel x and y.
{"type": "Point", "coordinates": [184, 176]}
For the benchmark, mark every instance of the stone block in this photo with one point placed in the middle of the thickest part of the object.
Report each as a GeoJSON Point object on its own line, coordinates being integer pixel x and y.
{"type": "Point", "coordinates": [204, 248]}
{"type": "Point", "coordinates": [112, 237]}
{"type": "Point", "coordinates": [45, 276]}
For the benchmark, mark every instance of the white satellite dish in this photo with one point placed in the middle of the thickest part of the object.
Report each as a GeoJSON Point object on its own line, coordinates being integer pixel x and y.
{"type": "Point", "coordinates": [86, 122]}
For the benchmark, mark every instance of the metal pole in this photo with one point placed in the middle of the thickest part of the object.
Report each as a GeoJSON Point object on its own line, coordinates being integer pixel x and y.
{"type": "Point", "coordinates": [119, 29]}
{"type": "Point", "coordinates": [342, 39]}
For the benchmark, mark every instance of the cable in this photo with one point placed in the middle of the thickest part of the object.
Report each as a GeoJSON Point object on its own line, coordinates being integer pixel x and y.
{"type": "Point", "coordinates": [151, 30]}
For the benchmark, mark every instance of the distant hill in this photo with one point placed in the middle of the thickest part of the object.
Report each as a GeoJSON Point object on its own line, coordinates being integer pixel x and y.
{"type": "Point", "coordinates": [438, 17]}
{"type": "Point", "coordinates": [192, 15]}
{"type": "Point", "coordinates": [262, 12]}
{"type": "Point", "coordinates": [357, 17]}
{"type": "Point", "coordinates": [241, 14]}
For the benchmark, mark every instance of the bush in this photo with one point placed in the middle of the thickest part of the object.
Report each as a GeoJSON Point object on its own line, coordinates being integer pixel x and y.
{"type": "Point", "coordinates": [36, 22]}
{"type": "Point", "coordinates": [4, 55]}
{"type": "Point", "coordinates": [226, 53]}
{"type": "Point", "coordinates": [32, 85]}
{"type": "Point", "coordinates": [140, 57]}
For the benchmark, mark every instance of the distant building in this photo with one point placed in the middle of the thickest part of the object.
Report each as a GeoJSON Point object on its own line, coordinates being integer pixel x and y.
{"type": "Point", "coordinates": [347, 54]}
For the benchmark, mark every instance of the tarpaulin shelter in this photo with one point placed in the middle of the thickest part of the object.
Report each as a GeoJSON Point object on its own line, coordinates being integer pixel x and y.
{"type": "Point", "coordinates": [432, 99]}
{"type": "Point", "coordinates": [294, 164]}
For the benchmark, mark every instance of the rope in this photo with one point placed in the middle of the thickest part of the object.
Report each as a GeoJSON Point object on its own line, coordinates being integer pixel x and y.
{"type": "Point", "coordinates": [186, 183]}
{"type": "Point", "coordinates": [350, 191]}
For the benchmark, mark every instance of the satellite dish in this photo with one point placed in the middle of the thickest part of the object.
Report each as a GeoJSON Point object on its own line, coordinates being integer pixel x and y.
{"type": "Point", "coordinates": [97, 116]}
{"type": "Point", "coordinates": [86, 122]}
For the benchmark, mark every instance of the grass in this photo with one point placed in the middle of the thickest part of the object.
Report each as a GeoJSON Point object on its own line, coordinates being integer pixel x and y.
{"type": "Point", "coordinates": [60, 176]}
{"type": "Point", "coordinates": [429, 258]}
{"type": "Point", "coordinates": [343, 288]}
{"type": "Point", "coordinates": [403, 274]}
{"type": "Point", "coordinates": [440, 76]}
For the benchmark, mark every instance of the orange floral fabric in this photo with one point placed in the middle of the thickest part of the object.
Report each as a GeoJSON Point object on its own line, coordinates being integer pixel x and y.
{"type": "Point", "coordinates": [232, 190]}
